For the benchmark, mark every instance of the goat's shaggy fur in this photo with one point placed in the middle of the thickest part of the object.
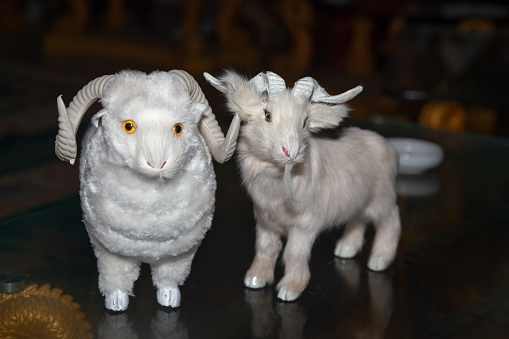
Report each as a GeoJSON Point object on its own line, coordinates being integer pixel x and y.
{"type": "Point", "coordinates": [302, 183]}
{"type": "Point", "coordinates": [147, 196]}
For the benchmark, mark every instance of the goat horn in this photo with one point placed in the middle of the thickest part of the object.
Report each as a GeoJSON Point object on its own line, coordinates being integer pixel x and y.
{"type": "Point", "coordinates": [320, 95]}
{"type": "Point", "coordinates": [304, 87]}
{"type": "Point", "coordinates": [275, 83]}
{"type": "Point", "coordinates": [260, 82]}
{"type": "Point", "coordinates": [221, 147]}
{"type": "Point", "coordinates": [70, 118]}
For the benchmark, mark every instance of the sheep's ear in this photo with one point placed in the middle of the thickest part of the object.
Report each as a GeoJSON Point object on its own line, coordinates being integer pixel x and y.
{"type": "Point", "coordinates": [96, 119]}
{"type": "Point", "coordinates": [324, 116]}
{"type": "Point", "coordinates": [197, 110]}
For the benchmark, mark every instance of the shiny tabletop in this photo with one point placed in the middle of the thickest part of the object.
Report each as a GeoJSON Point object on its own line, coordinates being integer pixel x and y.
{"type": "Point", "coordinates": [450, 277]}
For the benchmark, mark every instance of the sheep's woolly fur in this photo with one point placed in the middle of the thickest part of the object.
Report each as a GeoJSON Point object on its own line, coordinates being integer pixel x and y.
{"type": "Point", "coordinates": [135, 212]}
{"type": "Point", "coordinates": [302, 183]}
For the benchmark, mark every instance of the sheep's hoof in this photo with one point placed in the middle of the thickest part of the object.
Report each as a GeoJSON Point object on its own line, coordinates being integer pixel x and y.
{"type": "Point", "coordinates": [116, 301]}
{"type": "Point", "coordinates": [287, 294]}
{"type": "Point", "coordinates": [252, 281]}
{"type": "Point", "coordinates": [169, 296]}
{"type": "Point", "coordinates": [344, 251]}
{"type": "Point", "coordinates": [377, 263]}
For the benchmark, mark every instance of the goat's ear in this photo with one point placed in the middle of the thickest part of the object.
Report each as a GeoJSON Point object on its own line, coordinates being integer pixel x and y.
{"type": "Point", "coordinates": [324, 116]}
{"type": "Point", "coordinates": [96, 119]}
{"type": "Point", "coordinates": [221, 86]}
{"type": "Point", "coordinates": [242, 96]}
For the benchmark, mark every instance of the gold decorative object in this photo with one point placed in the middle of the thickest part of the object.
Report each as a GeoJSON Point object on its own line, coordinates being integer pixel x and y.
{"type": "Point", "coordinates": [236, 46]}
{"type": "Point", "coordinates": [448, 115]}
{"type": "Point", "coordinates": [298, 17]}
{"type": "Point", "coordinates": [360, 58]}
{"type": "Point", "coordinates": [41, 313]}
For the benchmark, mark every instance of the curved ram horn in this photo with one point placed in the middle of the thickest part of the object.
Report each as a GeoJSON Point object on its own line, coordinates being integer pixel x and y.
{"type": "Point", "coordinates": [70, 118]}
{"type": "Point", "coordinates": [221, 147]}
{"type": "Point", "coordinates": [275, 83]}
{"type": "Point", "coordinates": [304, 87]}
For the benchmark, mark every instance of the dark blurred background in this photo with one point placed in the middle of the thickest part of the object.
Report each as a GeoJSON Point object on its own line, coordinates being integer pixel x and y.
{"type": "Point", "coordinates": [442, 64]}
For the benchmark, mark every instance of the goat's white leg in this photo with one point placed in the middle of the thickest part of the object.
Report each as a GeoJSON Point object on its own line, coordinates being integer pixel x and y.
{"type": "Point", "coordinates": [117, 275]}
{"type": "Point", "coordinates": [268, 246]}
{"type": "Point", "coordinates": [352, 240]}
{"type": "Point", "coordinates": [386, 241]}
{"type": "Point", "coordinates": [168, 274]}
{"type": "Point", "coordinates": [296, 257]}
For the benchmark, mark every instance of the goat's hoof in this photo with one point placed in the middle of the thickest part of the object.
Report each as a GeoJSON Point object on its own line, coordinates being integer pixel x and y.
{"type": "Point", "coordinates": [252, 281]}
{"type": "Point", "coordinates": [169, 296]}
{"type": "Point", "coordinates": [287, 294]}
{"type": "Point", "coordinates": [377, 263]}
{"type": "Point", "coordinates": [116, 301]}
{"type": "Point", "coordinates": [344, 251]}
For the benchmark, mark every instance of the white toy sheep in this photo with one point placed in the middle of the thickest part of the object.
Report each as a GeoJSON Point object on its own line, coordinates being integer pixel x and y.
{"type": "Point", "coordinates": [302, 183]}
{"type": "Point", "coordinates": [147, 180]}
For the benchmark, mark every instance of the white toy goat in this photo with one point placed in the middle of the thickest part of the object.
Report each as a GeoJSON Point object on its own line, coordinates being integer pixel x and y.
{"type": "Point", "coordinates": [302, 183]}
{"type": "Point", "coordinates": [147, 180]}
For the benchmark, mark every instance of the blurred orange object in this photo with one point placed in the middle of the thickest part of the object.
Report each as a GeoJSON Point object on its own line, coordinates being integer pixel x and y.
{"type": "Point", "coordinates": [448, 115]}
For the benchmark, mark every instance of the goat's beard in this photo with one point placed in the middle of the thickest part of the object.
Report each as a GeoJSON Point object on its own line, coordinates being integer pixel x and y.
{"type": "Point", "coordinates": [288, 187]}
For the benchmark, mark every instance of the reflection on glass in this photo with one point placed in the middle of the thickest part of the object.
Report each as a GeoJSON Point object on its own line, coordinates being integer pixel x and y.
{"type": "Point", "coordinates": [369, 317]}
{"type": "Point", "coordinates": [282, 320]}
{"type": "Point", "coordinates": [417, 185]}
{"type": "Point", "coordinates": [164, 324]}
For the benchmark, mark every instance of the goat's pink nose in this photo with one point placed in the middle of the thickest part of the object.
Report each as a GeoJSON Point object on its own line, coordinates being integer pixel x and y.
{"type": "Point", "coordinates": [285, 151]}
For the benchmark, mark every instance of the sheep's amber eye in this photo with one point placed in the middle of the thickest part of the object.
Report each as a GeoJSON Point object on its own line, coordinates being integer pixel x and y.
{"type": "Point", "coordinates": [177, 129]}
{"type": "Point", "coordinates": [129, 126]}
{"type": "Point", "coordinates": [267, 115]}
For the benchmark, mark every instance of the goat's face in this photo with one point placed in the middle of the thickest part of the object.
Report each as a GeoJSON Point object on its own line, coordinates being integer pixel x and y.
{"type": "Point", "coordinates": [277, 128]}
{"type": "Point", "coordinates": [149, 125]}
{"type": "Point", "coordinates": [278, 122]}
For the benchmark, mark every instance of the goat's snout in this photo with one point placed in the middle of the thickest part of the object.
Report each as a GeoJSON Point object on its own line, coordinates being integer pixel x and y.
{"type": "Point", "coordinates": [290, 153]}
{"type": "Point", "coordinates": [285, 151]}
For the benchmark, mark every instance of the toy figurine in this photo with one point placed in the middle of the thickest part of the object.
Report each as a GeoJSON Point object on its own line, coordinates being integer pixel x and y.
{"type": "Point", "coordinates": [147, 180]}
{"type": "Point", "coordinates": [302, 182]}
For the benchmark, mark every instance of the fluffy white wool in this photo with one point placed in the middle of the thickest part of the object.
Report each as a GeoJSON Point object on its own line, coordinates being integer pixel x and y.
{"type": "Point", "coordinates": [302, 183]}
{"type": "Point", "coordinates": [135, 212]}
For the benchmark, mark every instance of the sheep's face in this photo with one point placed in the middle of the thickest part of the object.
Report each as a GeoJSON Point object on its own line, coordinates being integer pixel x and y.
{"type": "Point", "coordinates": [149, 124]}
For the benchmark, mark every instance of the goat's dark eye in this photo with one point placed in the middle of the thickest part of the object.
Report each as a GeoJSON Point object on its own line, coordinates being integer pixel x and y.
{"type": "Point", "coordinates": [305, 123]}
{"type": "Point", "coordinates": [268, 118]}
{"type": "Point", "coordinates": [129, 126]}
{"type": "Point", "coordinates": [177, 129]}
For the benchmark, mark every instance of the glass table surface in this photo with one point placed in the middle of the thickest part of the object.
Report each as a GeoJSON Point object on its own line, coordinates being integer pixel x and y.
{"type": "Point", "coordinates": [449, 280]}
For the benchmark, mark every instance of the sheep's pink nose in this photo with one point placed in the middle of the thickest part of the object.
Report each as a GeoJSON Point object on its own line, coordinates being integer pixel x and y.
{"type": "Point", "coordinates": [164, 163]}
{"type": "Point", "coordinates": [285, 151]}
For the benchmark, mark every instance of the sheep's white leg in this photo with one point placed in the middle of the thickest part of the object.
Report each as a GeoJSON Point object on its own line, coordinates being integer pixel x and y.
{"type": "Point", "coordinates": [386, 241]}
{"type": "Point", "coordinates": [268, 246]}
{"type": "Point", "coordinates": [352, 240]}
{"type": "Point", "coordinates": [117, 275]}
{"type": "Point", "coordinates": [295, 257]}
{"type": "Point", "coordinates": [168, 274]}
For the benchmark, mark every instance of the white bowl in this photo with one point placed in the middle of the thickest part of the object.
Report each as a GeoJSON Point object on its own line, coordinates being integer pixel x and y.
{"type": "Point", "coordinates": [417, 156]}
